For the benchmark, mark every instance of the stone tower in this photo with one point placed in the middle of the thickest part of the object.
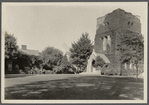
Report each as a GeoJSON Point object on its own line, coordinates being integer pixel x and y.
{"type": "Point", "coordinates": [109, 29]}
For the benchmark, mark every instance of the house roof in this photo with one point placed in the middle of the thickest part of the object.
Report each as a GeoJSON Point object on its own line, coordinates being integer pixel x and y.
{"type": "Point", "coordinates": [30, 52]}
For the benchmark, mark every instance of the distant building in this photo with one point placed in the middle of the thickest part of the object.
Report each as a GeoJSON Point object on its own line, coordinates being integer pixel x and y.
{"type": "Point", "coordinates": [13, 66]}
{"type": "Point", "coordinates": [28, 51]}
{"type": "Point", "coordinates": [109, 29]}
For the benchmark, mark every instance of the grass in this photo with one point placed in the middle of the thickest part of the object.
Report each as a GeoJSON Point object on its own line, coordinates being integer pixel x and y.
{"type": "Point", "coordinates": [17, 75]}
{"type": "Point", "coordinates": [78, 88]}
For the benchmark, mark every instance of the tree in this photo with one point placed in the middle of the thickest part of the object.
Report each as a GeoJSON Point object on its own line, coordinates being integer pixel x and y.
{"type": "Point", "coordinates": [81, 51]}
{"type": "Point", "coordinates": [23, 60]}
{"type": "Point", "coordinates": [11, 50]}
{"type": "Point", "coordinates": [51, 57]}
{"type": "Point", "coordinates": [132, 49]}
{"type": "Point", "coordinates": [99, 62]}
{"type": "Point", "coordinates": [27, 62]}
{"type": "Point", "coordinates": [36, 61]}
{"type": "Point", "coordinates": [10, 46]}
{"type": "Point", "coordinates": [65, 67]}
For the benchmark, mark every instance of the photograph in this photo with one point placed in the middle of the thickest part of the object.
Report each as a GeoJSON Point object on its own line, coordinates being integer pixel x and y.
{"type": "Point", "coordinates": [74, 52]}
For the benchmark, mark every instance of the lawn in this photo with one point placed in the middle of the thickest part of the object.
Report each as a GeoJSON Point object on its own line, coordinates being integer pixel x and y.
{"type": "Point", "coordinates": [78, 88]}
{"type": "Point", "coordinates": [17, 75]}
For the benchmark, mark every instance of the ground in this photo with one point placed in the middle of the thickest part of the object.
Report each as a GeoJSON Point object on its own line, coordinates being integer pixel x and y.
{"type": "Point", "coordinates": [74, 87]}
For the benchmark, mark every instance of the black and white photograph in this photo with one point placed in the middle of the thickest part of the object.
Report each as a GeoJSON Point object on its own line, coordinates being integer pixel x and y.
{"type": "Point", "coordinates": [74, 52]}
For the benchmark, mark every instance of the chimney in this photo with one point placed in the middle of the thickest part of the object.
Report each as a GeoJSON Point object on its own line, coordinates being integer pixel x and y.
{"type": "Point", "coordinates": [24, 47]}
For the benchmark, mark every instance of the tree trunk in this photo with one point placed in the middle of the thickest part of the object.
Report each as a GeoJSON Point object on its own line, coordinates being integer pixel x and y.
{"type": "Point", "coordinates": [121, 70]}
{"type": "Point", "coordinates": [136, 72]}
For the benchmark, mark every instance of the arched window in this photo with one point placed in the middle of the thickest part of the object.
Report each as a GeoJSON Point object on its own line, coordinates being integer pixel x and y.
{"type": "Point", "coordinates": [104, 43]}
{"type": "Point", "coordinates": [125, 65]}
{"type": "Point", "coordinates": [109, 40]}
{"type": "Point", "coordinates": [93, 63]}
{"type": "Point", "coordinates": [107, 23]}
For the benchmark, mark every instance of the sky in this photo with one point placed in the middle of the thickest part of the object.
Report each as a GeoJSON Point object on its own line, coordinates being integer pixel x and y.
{"type": "Point", "coordinates": [41, 25]}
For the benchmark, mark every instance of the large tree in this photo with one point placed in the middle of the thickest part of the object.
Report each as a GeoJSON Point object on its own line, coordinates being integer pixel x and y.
{"type": "Point", "coordinates": [10, 46]}
{"type": "Point", "coordinates": [81, 51]}
{"type": "Point", "coordinates": [51, 57]}
{"type": "Point", "coordinates": [132, 49]}
{"type": "Point", "coordinates": [23, 60]}
{"type": "Point", "coordinates": [11, 50]}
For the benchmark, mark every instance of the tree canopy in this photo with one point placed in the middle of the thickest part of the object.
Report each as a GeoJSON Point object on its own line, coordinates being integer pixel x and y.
{"type": "Point", "coordinates": [11, 47]}
{"type": "Point", "coordinates": [51, 57]}
{"type": "Point", "coordinates": [99, 62]}
{"type": "Point", "coordinates": [132, 48]}
{"type": "Point", "coordinates": [25, 60]}
{"type": "Point", "coordinates": [81, 51]}
{"type": "Point", "coordinates": [65, 67]}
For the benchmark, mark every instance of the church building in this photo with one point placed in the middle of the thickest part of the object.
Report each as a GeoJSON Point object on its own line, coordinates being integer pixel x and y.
{"type": "Point", "coordinates": [109, 29]}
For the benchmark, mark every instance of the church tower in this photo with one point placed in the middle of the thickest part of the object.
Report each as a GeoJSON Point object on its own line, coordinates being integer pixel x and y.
{"type": "Point", "coordinates": [109, 29]}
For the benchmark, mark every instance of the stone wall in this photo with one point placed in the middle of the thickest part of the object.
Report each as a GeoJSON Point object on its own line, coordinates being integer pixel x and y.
{"type": "Point", "coordinates": [115, 25]}
{"type": "Point", "coordinates": [118, 19]}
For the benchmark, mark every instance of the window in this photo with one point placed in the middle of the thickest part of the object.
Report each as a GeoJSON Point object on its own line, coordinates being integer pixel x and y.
{"type": "Point", "coordinates": [128, 23]}
{"type": "Point", "coordinates": [107, 23]}
{"type": "Point", "coordinates": [101, 38]}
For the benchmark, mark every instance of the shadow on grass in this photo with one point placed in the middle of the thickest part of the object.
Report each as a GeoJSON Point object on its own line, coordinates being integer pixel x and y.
{"type": "Point", "coordinates": [87, 87]}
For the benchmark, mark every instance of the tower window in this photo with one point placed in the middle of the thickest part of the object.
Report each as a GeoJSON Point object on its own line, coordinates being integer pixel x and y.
{"type": "Point", "coordinates": [107, 23]}
{"type": "Point", "coordinates": [128, 23]}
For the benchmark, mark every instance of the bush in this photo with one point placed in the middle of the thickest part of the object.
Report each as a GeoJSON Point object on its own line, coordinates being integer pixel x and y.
{"type": "Point", "coordinates": [27, 70]}
{"type": "Point", "coordinates": [49, 72]}
{"type": "Point", "coordinates": [99, 62]}
{"type": "Point", "coordinates": [51, 57]}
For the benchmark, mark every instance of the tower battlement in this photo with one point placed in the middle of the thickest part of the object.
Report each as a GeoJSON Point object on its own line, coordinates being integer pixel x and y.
{"type": "Point", "coordinates": [118, 19]}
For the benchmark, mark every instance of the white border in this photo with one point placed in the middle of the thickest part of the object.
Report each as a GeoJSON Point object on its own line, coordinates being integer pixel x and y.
{"type": "Point", "coordinates": [72, 101]}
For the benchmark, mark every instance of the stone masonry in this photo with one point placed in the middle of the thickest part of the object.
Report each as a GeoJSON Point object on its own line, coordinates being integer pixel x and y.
{"type": "Point", "coordinates": [109, 29]}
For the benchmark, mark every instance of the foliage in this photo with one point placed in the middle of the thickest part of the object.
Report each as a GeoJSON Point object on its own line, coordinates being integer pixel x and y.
{"type": "Point", "coordinates": [81, 51]}
{"type": "Point", "coordinates": [27, 62]}
{"type": "Point", "coordinates": [10, 46]}
{"type": "Point", "coordinates": [36, 61]}
{"type": "Point", "coordinates": [66, 67]}
{"type": "Point", "coordinates": [11, 50]}
{"type": "Point", "coordinates": [51, 57]}
{"type": "Point", "coordinates": [17, 57]}
{"type": "Point", "coordinates": [132, 48]}
{"type": "Point", "coordinates": [99, 62]}
{"type": "Point", "coordinates": [23, 60]}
